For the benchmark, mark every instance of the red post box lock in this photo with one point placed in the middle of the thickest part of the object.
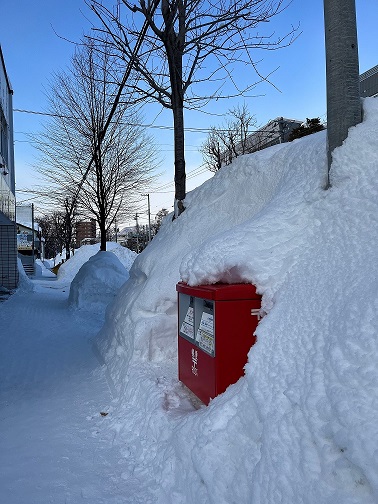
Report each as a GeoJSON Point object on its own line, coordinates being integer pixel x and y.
{"type": "Point", "coordinates": [216, 325]}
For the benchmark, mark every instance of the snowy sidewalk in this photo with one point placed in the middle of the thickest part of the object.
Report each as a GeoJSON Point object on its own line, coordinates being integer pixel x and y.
{"type": "Point", "coordinates": [55, 446]}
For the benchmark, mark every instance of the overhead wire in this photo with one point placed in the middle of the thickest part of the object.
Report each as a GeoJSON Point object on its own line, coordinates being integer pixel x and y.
{"type": "Point", "coordinates": [190, 129]}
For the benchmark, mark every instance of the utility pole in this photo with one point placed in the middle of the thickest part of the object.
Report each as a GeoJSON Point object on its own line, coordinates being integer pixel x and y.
{"type": "Point", "coordinates": [149, 217]}
{"type": "Point", "coordinates": [342, 73]}
{"type": "Point", "coordinates": [116, 230]}
{"type": "Point", "coordinates": [137, 232]}
{"type": "Point", "coordinates": [33, 239]}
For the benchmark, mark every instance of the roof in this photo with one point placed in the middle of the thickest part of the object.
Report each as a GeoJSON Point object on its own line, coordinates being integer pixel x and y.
{"type": "Point", "coordinates": [369, 73]}
{"type": "Point", "coordinates": [5, 71]}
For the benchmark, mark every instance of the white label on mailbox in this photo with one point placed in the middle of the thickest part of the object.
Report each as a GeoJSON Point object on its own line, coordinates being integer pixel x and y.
{"type": "Point", "coordinates": [188, 330]}
{"type": "Point", "coordinates": [205, 333]}
{"type": "Point", "coordinates": [187, 326]}
{"type": "Point", "coordinates": [207, 322]}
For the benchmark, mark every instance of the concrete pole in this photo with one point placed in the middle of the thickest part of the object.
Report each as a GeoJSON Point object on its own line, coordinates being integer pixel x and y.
{"type": "Point", "coordinates": [342, 72]}
{"type": "Point", "coordinates": [33, 239]}
{"type": "Point", "coordinates": [149, 218]}
{"type": "Point", "coordinates": [137, 232]}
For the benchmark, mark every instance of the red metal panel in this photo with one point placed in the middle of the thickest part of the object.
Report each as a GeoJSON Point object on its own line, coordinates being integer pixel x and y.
{"type": "Point", "coordinates": [234, 337]}
{"type": "Point", "coordinates": [196, 370]}
{"type": "Point", "coordinates": [220, 291]}
{"type": "Point", "coordinates": [235, 318]}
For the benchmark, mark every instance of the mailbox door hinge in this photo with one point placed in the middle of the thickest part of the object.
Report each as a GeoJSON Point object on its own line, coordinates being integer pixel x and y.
{"type": "Point", "coordinates": [255, 312]}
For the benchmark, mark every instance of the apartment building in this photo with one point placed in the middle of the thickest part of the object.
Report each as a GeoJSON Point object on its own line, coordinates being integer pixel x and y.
{"type": "Point", "coordinates": [85, 232]}
{"type": "Point", "coordinates": [8, 240]}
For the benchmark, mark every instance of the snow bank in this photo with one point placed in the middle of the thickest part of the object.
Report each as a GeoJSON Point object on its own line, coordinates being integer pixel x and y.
{"type": "Point", "coordinates": [42, 269]}
{"type": "Point", "coordinates": [97, 283]}
{"type": "Point", "coordinates": [24, 282]}
{"type": "Point", "coordinates": [70, 268]}
{"type": "Point", "coordinates": [301, 426]}
{"type": "Point", "coordinates": [261, 184]}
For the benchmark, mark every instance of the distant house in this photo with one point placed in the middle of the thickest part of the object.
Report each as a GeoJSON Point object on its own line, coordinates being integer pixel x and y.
{"type": "Point", "coordinates": [8, 242]}
{"type": "Point", "coordinates": [125, 234]}
{"type": "Point", "coordinates": [274, 132]}
{"type": "Point", "coordinates": [369, 82]}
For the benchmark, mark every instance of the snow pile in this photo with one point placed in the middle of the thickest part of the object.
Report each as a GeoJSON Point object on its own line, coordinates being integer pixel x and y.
{"type": "Point", "coordinates": [97, 282]}
{"type": "Point", "coordinates": [24, 282]}
{"type": "Point", "coordinates": [38, 271]}
{"type": "Point", "coordinates": [301, 426]}
{"type": "Point", "coordinates": [269, 183]}
{"type": "Point", "coordinates": [42, 269]}
{"type": "Point", "coordinates": [46, 269]}
{"type": "Point", "coordinates": [49, 263]}
{"type": "Point", "coordinates": [70, 268]}
{"type": "Point", "coordinates": [59, 258]}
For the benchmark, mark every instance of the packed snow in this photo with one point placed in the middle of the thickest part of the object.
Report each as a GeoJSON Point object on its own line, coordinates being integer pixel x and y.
{"type": "Point", "coordinates": [97, 282]}
{"type": "Point", "coordinates": [68, 270]}
{"type": "Point", "coordinates": [299, 428]}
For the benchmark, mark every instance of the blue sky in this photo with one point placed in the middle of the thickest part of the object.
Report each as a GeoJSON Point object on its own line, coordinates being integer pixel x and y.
{"type": "Point", "coordinates": [33, 50]}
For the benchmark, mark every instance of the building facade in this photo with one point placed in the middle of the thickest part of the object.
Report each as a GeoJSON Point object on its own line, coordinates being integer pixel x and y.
{"type": "Point", "coordinates": [85, 232]}
{"type": "Point", "coordinates": [274, 132]}
{"type": "Point", "coordinates": [369, 82]}
{"type": "Point", "coordinates": [8, 240]}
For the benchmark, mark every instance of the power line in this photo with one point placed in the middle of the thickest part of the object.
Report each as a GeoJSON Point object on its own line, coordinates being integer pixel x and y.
{"type": "Point", "coordinates": [190, 175]}
{"type": "Point", "coordinates": [151, 125]}
{"type": "Point", "coordinates": [28, 199]}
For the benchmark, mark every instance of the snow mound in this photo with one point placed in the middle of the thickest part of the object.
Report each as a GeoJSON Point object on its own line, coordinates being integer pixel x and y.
{"type": "Point", "coordinates": [42, 269]}
{"type": "Point", "coordinates": [270, 187]}
{"type": "Point", "coordinates": [97, 282]}
{"type": "Point", "coordinates": [69, 269]}
{"type": "Point", "coordinates": [24, 282]}
{"type": "Point", "coordinates": [300, 427]}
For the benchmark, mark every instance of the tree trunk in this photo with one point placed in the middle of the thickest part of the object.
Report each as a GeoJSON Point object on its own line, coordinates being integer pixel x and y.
{"type": "Point", "coordinates": [179, 146]}
{"type": "Point", "coordinates": [102, 227]}
{"type": "Point", "coordinates": [174, 57]}
{"type": "Point", "coordinates": [102, 214]}
{"type": "Point", "coordinates": [68, 234]}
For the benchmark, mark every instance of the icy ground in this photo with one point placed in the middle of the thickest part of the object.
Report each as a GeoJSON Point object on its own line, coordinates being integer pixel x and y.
{"type": "Point", "coordinates": [58, 440]}
{"type": "Point", "coordinates": [54, 444]}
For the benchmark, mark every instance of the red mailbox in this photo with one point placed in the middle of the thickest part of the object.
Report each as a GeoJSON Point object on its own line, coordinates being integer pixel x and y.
{"type": "Point", "coordinates": [216, 325]}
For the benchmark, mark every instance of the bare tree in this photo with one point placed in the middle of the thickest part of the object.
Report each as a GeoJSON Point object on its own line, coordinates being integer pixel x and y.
{"type": "Point", "coordinates": [229, 141]}
{"type": "Point", "coordinates": [58, 202]}
{"type": "Point", "coordinates": [121, 157]}
{"type": "Point", "coordinates": [158, 220]}
{"type": "Point", "coordinates": [53, 232]}
{"type": "Point", "coordinates": [187, 42]}
{"type": "Point", "coordinates": [243, 122]}
{"type": "Point", "coordinates": [213, 151]}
